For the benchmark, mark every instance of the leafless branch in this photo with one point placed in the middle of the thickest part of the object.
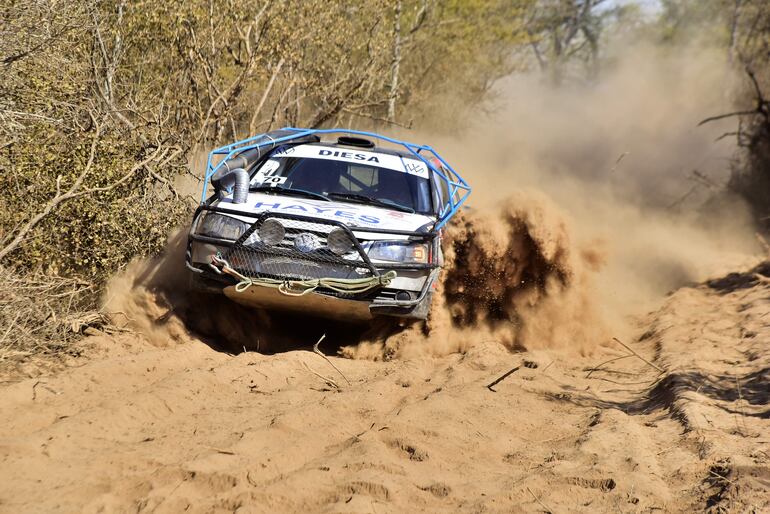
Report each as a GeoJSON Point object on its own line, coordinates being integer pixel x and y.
{"type": "Point", "coordinates": [265, 94]}
{"type": "Point", "coordinates": [723, 116]}
{"type": "Point", "coordinates": [58, 198]}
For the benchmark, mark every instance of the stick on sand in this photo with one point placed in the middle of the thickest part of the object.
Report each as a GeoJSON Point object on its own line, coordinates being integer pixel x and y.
{"type": "Point", "coordinates": [538, 500]}
{"type": "Point", "coordinates": [506, 375]}
{"type": "Point", "coordinates": [640, 357]}
{"type": "Point", "coordinates": [319, 352]}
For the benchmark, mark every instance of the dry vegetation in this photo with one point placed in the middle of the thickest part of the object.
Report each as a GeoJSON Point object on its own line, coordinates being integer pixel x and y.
{"type": "Point", "coordinates": [43, 314]}
{"type": "Point", "coordinates": [742, 28]}
{"type": "Point", "coordinates": [751, 43]}
{"type": "Point", "coordinates": [104, 103]}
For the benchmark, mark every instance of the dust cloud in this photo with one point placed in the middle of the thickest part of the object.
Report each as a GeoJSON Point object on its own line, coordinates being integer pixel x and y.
{"type": "Point", "coordinates": [512, 275]}
{"type": "Point", "coordinates": [624, 157]}
{"type": "Point", "coordinates": [591, 201]}
{"type": "Point", "coordinates": [155, 297]}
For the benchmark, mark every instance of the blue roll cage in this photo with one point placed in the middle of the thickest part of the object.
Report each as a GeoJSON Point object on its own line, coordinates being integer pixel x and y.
{"type": "Point", "coordinates": [459, 190]}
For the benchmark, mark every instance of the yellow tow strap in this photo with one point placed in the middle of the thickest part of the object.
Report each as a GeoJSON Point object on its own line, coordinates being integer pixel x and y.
{"type": "Point", "coordinates": [303, 287]}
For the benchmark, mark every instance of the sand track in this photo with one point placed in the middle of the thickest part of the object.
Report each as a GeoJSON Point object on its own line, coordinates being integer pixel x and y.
{"type": "Point", "coordinates": [188, 428]}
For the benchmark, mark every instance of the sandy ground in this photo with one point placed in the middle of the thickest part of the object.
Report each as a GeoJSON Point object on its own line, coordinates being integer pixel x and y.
{"type": "Point", "coordinates": [681, 427]}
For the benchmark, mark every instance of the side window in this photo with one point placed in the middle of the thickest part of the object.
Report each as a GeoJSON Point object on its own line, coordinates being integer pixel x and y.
{"type": "Point", "coordinates": [441, 190]}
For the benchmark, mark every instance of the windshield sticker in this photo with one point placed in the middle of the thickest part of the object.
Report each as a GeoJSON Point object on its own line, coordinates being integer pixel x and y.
{"type": "Point", "coordinates": [349, 155]}
{"type": "Point", "coordinates": [266, 170]}
{"type": "Point", "coordinates": [415, 167]}
{"type": "Point", "coordinates": [273, 181]}
{"type": "Point", "coordinates": [393, 162]}
{"type": "Point", "coordinates": [264, 176]}
{"type": "Point", "coordinates": [269, 167]}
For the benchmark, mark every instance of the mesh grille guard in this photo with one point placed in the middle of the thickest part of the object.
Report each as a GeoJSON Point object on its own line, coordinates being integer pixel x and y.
{"type": "Point", "coordinates": [302, 252]}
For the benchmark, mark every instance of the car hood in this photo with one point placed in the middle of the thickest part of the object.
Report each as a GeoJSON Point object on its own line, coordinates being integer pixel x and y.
{"type": "Point", "coordinates": [355, 215]}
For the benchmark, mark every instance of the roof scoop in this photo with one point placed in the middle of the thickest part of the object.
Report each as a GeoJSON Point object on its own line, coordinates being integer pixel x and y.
{"type": "Point", "coordinates": [358, 142]}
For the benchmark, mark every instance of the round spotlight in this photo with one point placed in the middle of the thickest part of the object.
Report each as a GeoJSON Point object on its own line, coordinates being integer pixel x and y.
{"type": "Point", "coordinates": [271, 232]}
{"type": "Point", "coordinates": [306, 242]}
{"type": "Point", "coordinates": [339, 241]}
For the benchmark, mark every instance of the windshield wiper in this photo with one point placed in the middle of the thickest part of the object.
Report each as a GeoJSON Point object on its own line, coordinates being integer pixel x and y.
{"type": "Point", "coordinates": [288, 191]}
{"type": "Point", "coordinates": [380, 202]}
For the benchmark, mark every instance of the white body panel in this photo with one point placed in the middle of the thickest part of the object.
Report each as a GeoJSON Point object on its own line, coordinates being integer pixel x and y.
{"type": "Point", "coordinates": [356, 216]}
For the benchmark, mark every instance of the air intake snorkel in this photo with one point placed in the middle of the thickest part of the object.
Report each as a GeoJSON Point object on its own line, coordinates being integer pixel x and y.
{"type": "Point", "coordinates": [224, 180]}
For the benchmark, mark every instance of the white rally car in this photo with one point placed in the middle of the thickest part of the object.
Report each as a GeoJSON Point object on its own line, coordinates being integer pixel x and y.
{"type": "Point", "coordinates": [339, 228]}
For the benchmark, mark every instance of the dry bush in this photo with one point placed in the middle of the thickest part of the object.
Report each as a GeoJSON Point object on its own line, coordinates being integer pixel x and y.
{"type": "Point", "coordinates": [42, 314]}
{"type": "Point", "coordinates": [741, 28]}
{"type": "Point", "coordinates": [751, 170]}
{"type": "Point", "coordinates": [751, 174]}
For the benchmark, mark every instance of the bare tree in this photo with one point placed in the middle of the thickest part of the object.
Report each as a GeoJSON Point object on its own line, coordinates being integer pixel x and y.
{"type": "Point", "coordinates": [562, 30]}
{"type": "Point", "coordinates": [399, 41]}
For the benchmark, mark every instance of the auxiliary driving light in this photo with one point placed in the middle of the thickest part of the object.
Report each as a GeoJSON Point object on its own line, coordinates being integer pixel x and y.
{"type": "Point", "coordinates": [271, 232]}
{"type": "Point", "coordinates": [339, 241]}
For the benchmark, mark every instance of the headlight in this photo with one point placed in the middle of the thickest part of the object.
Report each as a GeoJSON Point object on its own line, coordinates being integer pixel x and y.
{"type": "Point", "coordinates": [271, 232]}
{"type": "Point", "coordinates": [398, 251]}
{"type": "Point", "coordinates": [339, 241]}
{"type": "Point", "coordinates": [224, 227]}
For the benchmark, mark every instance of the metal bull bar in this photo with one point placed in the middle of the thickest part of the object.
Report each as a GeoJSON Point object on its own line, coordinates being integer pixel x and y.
{"type": "Point", "coordinates": [299, 251]}
{"type": "Point", "coordinates": [359, 260]}
{"type": "Point", "coordinates": [288, 260]}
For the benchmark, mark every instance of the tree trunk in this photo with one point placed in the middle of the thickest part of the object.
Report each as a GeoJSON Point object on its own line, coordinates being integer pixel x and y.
{"type": "Point", "coordinates": [395, 63]}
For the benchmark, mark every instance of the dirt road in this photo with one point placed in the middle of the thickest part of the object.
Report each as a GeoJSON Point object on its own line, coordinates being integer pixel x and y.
{"type": "Point", "coordinates": [681, 426]}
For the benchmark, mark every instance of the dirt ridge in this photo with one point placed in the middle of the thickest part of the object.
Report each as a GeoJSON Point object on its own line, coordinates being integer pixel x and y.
{"type": "Point", "coordinates": [186, 427]}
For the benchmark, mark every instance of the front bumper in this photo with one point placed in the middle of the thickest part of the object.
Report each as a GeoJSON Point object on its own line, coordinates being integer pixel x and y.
{"type": "Point", "coordinates": [407, 296]}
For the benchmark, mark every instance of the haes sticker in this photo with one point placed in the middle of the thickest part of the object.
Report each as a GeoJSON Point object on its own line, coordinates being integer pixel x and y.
{"type": "Point", "coordinates": [335, 212]}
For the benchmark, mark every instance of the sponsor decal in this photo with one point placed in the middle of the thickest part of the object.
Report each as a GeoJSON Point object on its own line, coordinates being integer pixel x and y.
{"type": "Point", "coordinates": [341, 214]}
{"type": "Point", "coordinates": [392, 162]}
{"type": "Point", "coordinates": [414, 167]}
{"type": "Point", "coordinates": [269, 167]}
{"type": "Point", "coordinates": [349, 155]}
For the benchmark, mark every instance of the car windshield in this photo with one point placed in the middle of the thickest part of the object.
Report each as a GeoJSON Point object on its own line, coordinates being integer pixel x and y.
{"type": "Point", "coordinates": [382, 180]}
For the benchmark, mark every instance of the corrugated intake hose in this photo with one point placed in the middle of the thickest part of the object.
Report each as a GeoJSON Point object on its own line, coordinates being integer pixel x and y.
{"type": "Point", "coordinates": [237, 179]}
{"type": "Point", "coordinates": [303, 287]}
{"type": "Point", "coordinates": [241, 187]}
